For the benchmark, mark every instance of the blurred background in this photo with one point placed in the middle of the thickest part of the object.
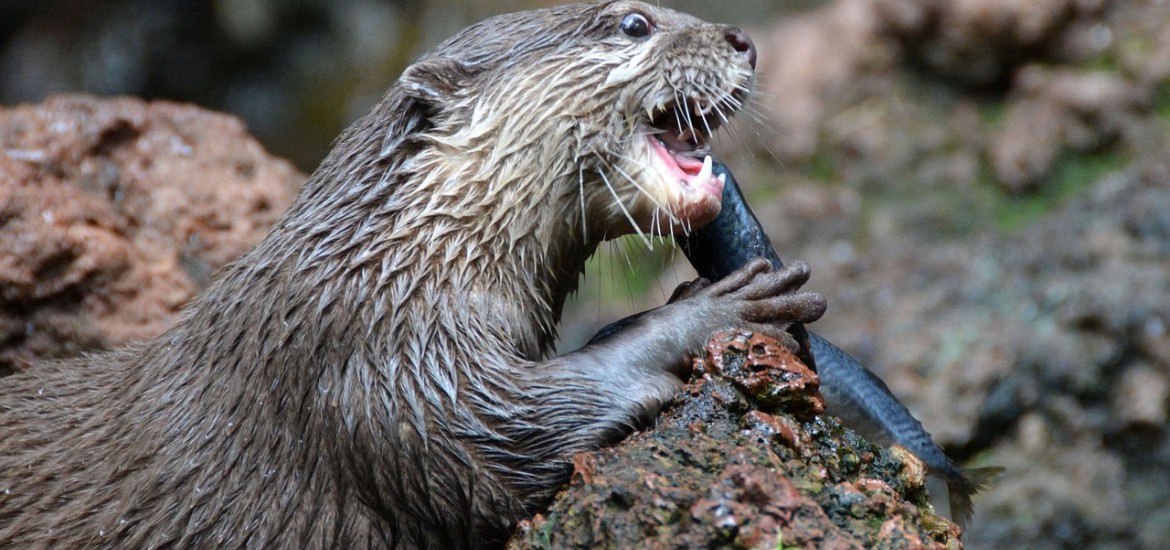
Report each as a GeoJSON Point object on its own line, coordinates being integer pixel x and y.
{"type": "Point", "coordinates": [297, 71]}
{"type": "Point", "coordinates": [981, 187]}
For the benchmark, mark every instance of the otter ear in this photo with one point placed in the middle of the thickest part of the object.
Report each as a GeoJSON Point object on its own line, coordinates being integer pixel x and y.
{"type": "Point", "coordinates": [410, 117]}
{"type": "Point", "coordinates": [425, 89]}
{"type": "Point", "coordinates": [432, 81]}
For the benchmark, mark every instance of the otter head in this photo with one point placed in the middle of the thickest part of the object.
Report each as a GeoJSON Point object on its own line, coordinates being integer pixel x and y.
{"type": "Point", "coordinates": [596, 114]}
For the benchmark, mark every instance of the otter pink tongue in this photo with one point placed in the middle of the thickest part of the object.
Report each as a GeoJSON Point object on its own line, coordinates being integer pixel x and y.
{"type": "Point", "coordinates": [683, 167]}
{"type": "Point", "coordinates": [690, 165]}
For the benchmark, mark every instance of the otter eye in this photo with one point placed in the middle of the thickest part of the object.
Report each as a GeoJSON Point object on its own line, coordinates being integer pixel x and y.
{"type": "Point", "coordinates": [635, 25]}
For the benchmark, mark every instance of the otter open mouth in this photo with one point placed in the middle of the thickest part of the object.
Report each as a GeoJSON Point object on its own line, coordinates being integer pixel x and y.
{"type": "Point", "coordinates": [680, 154]}
{"type": "Point", "coordinates": [680, 140]}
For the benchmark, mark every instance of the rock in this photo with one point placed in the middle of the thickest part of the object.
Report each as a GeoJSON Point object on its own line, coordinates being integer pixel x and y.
{"type": "Point", "coordinates": [1057, 110]}
{"type": "Point", "coordinates": [114, 212]}
{"type": "Point", "coordinates": [723, 469]}
{"type": "Point", "coordinates": [981, 41]}
{"type": "Point", "coordinates": [1004, 264]}
{"type": "Point", "coordinates": [806, 63]}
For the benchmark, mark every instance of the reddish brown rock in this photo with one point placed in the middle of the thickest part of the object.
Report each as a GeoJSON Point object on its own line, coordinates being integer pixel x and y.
{"type": "Point", "coordinates": [114, 212]}
{"type": "Point", "coordinates": [724, 470]}
{"type": "Point", "coordinates": [765, 371]}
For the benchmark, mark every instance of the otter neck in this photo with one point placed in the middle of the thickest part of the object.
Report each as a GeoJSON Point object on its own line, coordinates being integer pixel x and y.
{"type": "Point", "coordinates": [459, 220]}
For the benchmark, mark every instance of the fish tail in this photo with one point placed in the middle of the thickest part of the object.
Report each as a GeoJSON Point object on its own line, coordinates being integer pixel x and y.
{"type": "Point", "coordinates": [964, 485]}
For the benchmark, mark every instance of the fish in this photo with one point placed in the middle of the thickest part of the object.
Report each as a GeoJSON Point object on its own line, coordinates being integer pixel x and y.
{"type": "Point", "coordinates": [852, 392]}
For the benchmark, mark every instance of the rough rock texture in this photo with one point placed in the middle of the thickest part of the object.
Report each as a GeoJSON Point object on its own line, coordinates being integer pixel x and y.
{"type": "Point", "coordinates": [996, 247]}
{"type": "Point", "coordinates": [982, 41]}
{"type": "Point", "coordinates": [113, 212]}
{"type": "Point", "coordinates": [1047, 350]}
{"type": "Point", "coordinates": [814, 66]}
{"type": "Point", "coordinates": [743, 461]}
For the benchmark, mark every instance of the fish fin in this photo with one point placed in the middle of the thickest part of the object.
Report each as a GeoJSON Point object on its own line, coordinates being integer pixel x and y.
{"type": "Point", "coordinates": [962, 487]}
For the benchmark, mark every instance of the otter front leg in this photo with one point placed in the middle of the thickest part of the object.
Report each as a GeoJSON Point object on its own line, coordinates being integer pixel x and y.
{"type": "Point", "coordinates": [642, 364]}
{"type": "Point", "coordinates": [598, 394]}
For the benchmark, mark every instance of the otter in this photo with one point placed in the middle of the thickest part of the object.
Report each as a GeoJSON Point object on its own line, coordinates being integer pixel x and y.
{"type": "Point", "coordinates": [378, 371]}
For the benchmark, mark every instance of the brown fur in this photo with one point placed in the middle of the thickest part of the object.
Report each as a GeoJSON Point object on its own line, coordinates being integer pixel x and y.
{"type": "Point", "coordinates": [375, 373]}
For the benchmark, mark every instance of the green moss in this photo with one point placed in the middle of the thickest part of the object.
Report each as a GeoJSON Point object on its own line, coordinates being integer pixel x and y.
{"type": "Point", "coordinates": [1162, 103]}
{"type": "Point", "coordinates": [993, 113]}
{"type": "Point", "coordinates": [1135, 45]}
{"type": "Point", "coordinates": [780, 542]}
{"type": "Point", "coordinates": [1073, 173]}
{"type": "Point", "coordinates": [822, 167]}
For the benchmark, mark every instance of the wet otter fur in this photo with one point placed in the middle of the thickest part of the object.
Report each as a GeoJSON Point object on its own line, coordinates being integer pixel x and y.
{"type": "Point", "coordinates": [377, 371]}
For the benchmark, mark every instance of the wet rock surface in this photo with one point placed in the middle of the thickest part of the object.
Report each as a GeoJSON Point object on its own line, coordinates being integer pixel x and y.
{"type": "Point", "coordinates": [723, 469]}
{"type": "Point", "coordinates": [995, 247]}
{"type": "Point", "coordinates": [114, 212]}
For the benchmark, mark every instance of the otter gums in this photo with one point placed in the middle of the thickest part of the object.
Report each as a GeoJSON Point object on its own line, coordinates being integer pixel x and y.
{"type": "Point", "coordinates": [377, 372]}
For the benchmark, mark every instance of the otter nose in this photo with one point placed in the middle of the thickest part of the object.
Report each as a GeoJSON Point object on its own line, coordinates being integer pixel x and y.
{"type": "Point", "coordinates": [742, 44]}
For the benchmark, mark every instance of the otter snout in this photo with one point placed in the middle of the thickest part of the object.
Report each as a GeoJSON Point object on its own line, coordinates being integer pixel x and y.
{"type": "Point", "coordinates": [742, 44]}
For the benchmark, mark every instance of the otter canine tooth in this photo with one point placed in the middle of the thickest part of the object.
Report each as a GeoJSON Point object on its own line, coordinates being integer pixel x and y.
{"type": "Point", "coordinates": [705, 173]}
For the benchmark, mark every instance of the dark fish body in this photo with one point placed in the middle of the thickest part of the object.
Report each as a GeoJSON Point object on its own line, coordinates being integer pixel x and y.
{"type": "Point", "coordinates": [851, 391]}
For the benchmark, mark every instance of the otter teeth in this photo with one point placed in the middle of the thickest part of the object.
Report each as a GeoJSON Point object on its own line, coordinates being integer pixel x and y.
{"type": "Point", "coordinates": [704, 174]}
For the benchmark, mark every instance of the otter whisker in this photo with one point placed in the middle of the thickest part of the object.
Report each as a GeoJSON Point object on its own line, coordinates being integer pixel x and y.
{"type": "Point", "coordinates": [655, 224]}
{"type": "Point", "coordinates": [719, 111]}
{"type": "Point", "coordinates": [755, 101]}
{"type": "Point", "coordinates": [677, 119]}
{"type": "Point", "coordinates": [758, 117]}
{"type": "Point", "coordinates": [762, 130]}
{"type": "Point", "coordinates": [725, 118]}
{"type": "Point", "coordinates": [645, 193]}
{"type": "Point", "coordinates": [682, 110]}
{"type": "Point", "coordinates": [658, 205]}
{"type": "Point", "coordinates": [687, 115]}
{"type": "Point", "coordinates": [625, 211]}
{"type": "Point", "coordinates": [621, 248]}
{"type": "Point", "coordinates": [581, 195]}
{"type": "Point", "coordinates": [730, 104]}
{"type": "Point", "coordinates": [735, 135]}
{"type": "Point", "coordinates": [732, 100]}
